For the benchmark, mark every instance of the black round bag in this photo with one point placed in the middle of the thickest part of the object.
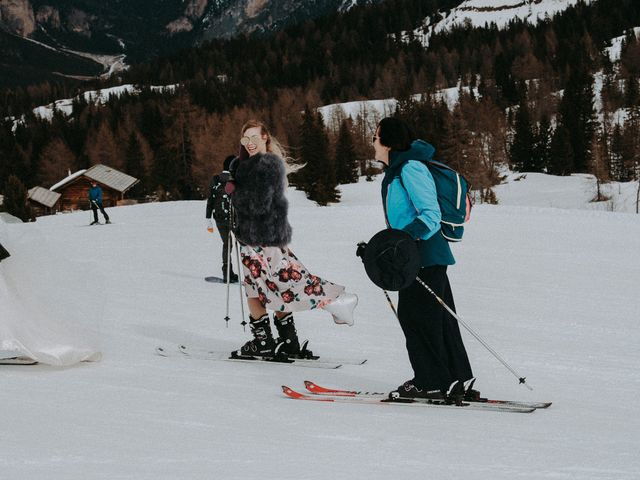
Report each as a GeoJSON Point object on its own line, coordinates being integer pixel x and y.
{"type": "Point", "coordinates": [391, 259]}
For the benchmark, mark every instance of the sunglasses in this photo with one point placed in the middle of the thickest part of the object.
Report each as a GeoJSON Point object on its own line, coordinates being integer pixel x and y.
{"type": "Point", "coordinates": [255, 139]}
{"type": "Point", "coordinates": [374, 138]}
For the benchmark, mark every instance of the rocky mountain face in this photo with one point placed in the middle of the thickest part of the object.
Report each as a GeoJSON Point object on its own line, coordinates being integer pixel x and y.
{"type": "Point", "coordinates": [17, 16]}
{"type": "Point", "coordinates": [66, 30]}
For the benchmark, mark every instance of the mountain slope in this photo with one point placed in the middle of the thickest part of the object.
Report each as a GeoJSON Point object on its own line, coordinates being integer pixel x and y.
{"type": "Point", "coordinates": [479, 13]}
{"type": "Point", "coordinates": [554, 291]}
{"type": "Point", "coordinates": [140, 30]}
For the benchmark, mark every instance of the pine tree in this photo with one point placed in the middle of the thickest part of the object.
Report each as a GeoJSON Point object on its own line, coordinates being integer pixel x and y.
{"type": "Point", "coordinates": [317, 178]}
{"type": "Point", "coordinates": [460, 147]}
{"type": "Point", "coordinates": [134, 166]}
{"type": "Point", "coordinates": [577, 116]}
{"type": "Point", "coordinates": [185, 157]}
{"type": "Point", "coordinates": [522, 149]}
{"type": "Point", "coordinates": [346, 162]}
{"type": "Point", "coordinates": [632, 93]}
{"type": "Point", "coordinates": [560, 153]}
{"type": "Point", "coordinates": [616, 156]}
{"type": "Point", "coordinates": [599, 164]}
{"type": "Point", "coordinates": [15, 199]}
{"type": "Point", "coordinates": [166, 171]}
{"type": "Point", "coordinates": [543, 145]}
{"type": "Point", "coordinates": [55, 161]}
{"type": "Point", "coordinates": [631, 143]}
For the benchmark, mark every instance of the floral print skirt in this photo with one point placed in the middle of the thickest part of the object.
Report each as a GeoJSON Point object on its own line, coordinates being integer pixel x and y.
{"type": "Point", "coordinates": [276, 277]}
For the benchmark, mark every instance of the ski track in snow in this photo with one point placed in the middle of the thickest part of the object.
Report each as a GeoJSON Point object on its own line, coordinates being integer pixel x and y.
{"type": "Point", "coordinates": [553, 290]}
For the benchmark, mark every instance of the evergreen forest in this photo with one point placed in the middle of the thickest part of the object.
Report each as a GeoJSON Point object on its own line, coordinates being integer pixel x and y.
{"type": "Point", "coordinates": [539, 98]}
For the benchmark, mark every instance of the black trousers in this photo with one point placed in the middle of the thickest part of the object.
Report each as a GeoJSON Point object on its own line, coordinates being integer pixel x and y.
{"type": "Point", "coordinates": [434, 344]}
{"type": "Point", "coordinates": [95, 206]}
{"type": "Point", "coordinates": [227, 247]}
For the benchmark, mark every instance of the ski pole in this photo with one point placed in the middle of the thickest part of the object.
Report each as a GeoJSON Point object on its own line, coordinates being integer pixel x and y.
{"type": "Point", "coordinates": [226, 318]}
{"type": "Point", "coordinates": [520, 378]}
{"type": "Point", "coordinates": [391, 304]}
{"type": "Point", "coordinates": [244, 321]}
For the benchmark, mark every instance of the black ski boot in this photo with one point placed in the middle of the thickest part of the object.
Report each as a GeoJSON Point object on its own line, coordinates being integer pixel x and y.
{"type": "Point", "coordinates": [471, 395]}
{"type": "Point", "coordinates": [263, 344]}
{"type": "Point", "coordinates": [288, 343]}
{"type": "Point", "coordinates": [455, 394]}
{"type": "Point", "coordinates": [233, 276]}
{"type": "Point", "coordinates": [408, 390]}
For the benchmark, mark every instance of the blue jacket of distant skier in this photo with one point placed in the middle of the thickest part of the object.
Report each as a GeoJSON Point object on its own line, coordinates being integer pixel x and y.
{"type": "Point", "coordinates": [411, 203]}
{"type": "Point", "coordinates": [95, 194]}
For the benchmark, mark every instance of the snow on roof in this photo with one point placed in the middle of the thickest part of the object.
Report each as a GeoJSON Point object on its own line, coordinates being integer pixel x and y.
{"type": "Point", "coordinates": [43, 196]}
{"type": "Point", "coordinates": [67, 180]}
{"type": "Point", "coordinates": [111, 177]}
{"type": "Point", "coordinates": [104, 175]}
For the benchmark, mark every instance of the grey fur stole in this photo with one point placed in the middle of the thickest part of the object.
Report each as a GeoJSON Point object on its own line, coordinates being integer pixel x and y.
{"type": "Point", "coordinates": [260, 203]}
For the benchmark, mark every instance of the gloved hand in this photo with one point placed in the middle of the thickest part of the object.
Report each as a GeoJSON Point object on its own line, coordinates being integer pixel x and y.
{"type": "Point", "coordinates": [209, 225]}
{"type": "Point", "coordinates": [230, 187]}
{"type": "Point", "coordinates": [362, 246]}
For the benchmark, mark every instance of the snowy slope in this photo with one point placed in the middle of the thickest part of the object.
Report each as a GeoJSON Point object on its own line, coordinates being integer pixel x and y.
{"type": "Point", "coordinates": [479, 13]}
{"type": "Point", "coordinates": [575, 192]}
{"type": "Point", "coordinates": [553, 290]}
{"type": "Point", "coordinates": [501, 12]}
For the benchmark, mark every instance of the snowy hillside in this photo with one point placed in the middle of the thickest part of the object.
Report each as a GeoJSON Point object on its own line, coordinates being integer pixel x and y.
{"type": "Point", "coordinates": [552, 290]}
{"type": "Point", "coordinates": [575, 192]}
{"type": "Point", "coordinates": [479, 13]}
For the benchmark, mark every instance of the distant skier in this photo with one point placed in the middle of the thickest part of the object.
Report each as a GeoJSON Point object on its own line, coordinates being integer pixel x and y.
{"type": "Point", "coordinates": [435, 347]}
{"type": "Point", "coordinates": [274, 278]}
{"type": "Point", "coordinates": [219, 206]}
{"type": "Point", "coordinates": [95, 198]}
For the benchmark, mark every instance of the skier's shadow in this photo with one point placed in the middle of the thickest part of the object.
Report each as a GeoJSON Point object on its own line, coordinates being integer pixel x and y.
{"type": "Point", "coordinates": [182, 275]}
{"type": "Point", "coordinates": [168, 336]}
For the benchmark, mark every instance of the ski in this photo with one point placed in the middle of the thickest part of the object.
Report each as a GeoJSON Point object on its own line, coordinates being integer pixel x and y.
{"type": "Point", "coordinates": [416, 402]}
{"type": "Point", "coordinates": [305, 357]}
{"type": "Point", "coordinates": [230, 357]}
{"type": "Point", "coordinates": [316, 389]}
{"type": "Point", "coordinates": [18, 361]}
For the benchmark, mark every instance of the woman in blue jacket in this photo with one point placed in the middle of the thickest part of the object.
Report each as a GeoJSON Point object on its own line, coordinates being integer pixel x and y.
{"type": "Point", "coordinates": [436, 350]}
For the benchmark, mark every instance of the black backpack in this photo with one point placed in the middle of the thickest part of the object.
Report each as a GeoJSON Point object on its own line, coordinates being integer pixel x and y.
{"type": "Point", "coordinates": [221, 205]}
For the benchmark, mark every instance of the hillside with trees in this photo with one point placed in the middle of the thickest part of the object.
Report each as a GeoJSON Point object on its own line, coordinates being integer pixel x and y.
{"type": "Point", "coordinates": [545, 97]}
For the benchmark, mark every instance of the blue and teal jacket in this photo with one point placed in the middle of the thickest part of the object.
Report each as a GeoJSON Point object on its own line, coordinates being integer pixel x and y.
{"type": "Point", "coordinates": [411, 203]}
{"type": "Point", "coordinates": [95, 194]}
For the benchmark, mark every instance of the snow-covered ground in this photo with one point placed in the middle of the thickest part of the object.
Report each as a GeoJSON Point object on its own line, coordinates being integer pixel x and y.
{"type": "Point", "coordinates": [375, 110]}
{"type": "Point", "coordinates": [575, 192]}
{"type": "Point", "coordinates": [553, 290]}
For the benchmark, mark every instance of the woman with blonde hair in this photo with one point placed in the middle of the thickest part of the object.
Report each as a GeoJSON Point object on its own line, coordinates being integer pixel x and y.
{"type": "Point", "coordinates": [274, 278]}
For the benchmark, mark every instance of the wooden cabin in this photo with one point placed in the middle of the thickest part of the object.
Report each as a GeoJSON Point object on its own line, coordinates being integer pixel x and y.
{"type": "Point", "coordinates": [74, 189]}
{"type": "Point", "coordinates": [43, 201]}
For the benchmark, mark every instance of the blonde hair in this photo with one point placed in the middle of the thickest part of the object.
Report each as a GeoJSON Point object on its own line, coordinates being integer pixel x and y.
{"type": "Point", "coordinates": [273, 145]}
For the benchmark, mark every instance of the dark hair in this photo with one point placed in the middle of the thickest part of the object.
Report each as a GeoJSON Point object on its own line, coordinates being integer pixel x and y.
{"type": "Point", "coordinates": [395, 134]}
{"type": "Point", "coordinates": [227, 162]}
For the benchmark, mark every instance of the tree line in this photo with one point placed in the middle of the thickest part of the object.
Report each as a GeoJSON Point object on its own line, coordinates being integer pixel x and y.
{"type": "Point", "coordinates": [526, 97]}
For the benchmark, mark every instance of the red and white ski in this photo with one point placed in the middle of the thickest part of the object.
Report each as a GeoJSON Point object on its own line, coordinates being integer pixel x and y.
{"type": "Point", "coordinates": [316, 389]}
{"type": "Point", "coordinates": [416, 402]}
